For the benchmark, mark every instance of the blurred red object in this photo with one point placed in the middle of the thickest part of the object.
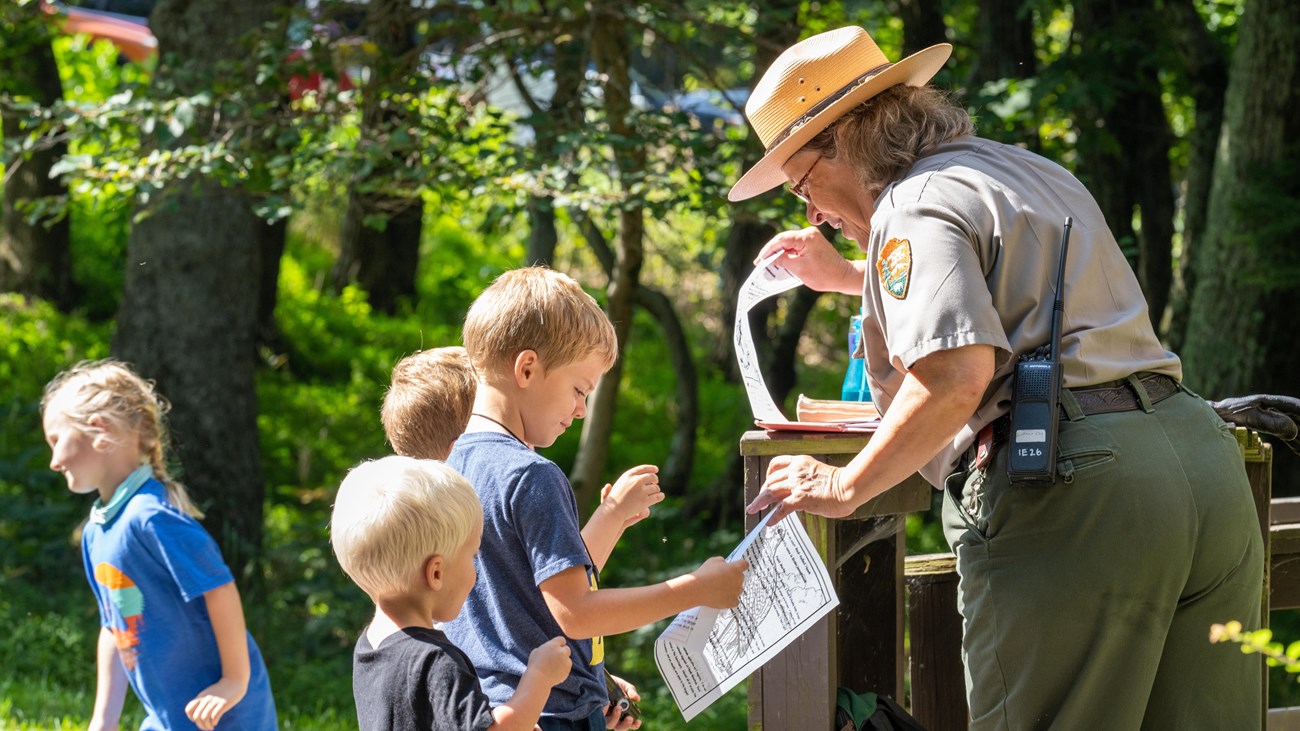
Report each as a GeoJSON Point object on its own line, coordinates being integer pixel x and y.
{"type": "Point", "coordinates": [129, 33]}
{"type": "Point", "coordinates": [125, 24]}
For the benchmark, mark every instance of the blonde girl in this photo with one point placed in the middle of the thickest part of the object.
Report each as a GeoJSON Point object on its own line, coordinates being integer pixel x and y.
{"type": "Point", "coordinates": [191, 663]}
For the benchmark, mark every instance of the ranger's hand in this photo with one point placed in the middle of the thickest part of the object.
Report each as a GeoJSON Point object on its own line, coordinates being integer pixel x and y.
{"type": "Point", "coordinates": [802, 483]}
{"type": "Point", "coordinates": [1278, 416]}
{"type": "Point", "coordinates": [807, 254]}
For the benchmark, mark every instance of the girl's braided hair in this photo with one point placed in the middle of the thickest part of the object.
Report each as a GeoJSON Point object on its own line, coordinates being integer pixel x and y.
{"type": "Point", "coordinates": [112, 391]}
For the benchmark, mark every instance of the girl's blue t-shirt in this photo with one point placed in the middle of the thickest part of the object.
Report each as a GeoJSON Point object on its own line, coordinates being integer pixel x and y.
{"type": "Point", "coordinates": [149, 568]}
{"type": "Point", "coordinates": [530, 533]}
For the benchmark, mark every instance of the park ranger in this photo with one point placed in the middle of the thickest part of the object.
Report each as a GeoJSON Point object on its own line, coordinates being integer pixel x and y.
{"type": "Point", "coordinates": [1086, 601]}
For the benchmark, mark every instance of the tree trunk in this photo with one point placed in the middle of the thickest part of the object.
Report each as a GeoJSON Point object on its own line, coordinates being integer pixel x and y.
{"type": "Point", "coordinates": [382, 258]}
{"type": "Point", "coordinates": [781, 376]}
{"type": "Point", "coordinates": [745, 238]}
{"type": "Point", "coordinates": [1125, 138]}
{"type": "Point", "coordinates": [778, 29]}
{"type": "Point", "coordinates": [1006, 53]}
{"type": "Point", "coordinates": [270, 248]}
{"type": "Point", "coordinates": [35, 259]}
{"type": "Point", "coordinates": [1241, 336]}
{"type": "Point", "coordinates": [675, 475]}
{"type": "Point", "coordinates": [542, 234]}
{"type": "Point", "coordinates": [1006, 42]}
{"type": "Point", "coordinates": [189, 308]}
{"type": "Point", "coordinates": [554, 121]}
{"type": "Point", "coordinates": [381, 261]}
{"type": "Point", "coordinates": [188, 321]}
{"type": "Point", "coordinates": [1204, 69]}
{"type": "Point", "coordinates": [922, 24]}
{"type": "Point", "coordinates": [610, 46]}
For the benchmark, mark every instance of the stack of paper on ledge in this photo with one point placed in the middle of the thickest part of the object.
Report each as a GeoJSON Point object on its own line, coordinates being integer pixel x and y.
{"type": "Point", "coordinates": [840, 412]}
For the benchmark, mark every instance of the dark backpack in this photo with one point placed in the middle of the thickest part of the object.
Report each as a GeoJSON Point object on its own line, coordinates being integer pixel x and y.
{"type": "Point", "coordinates": [871, 712]}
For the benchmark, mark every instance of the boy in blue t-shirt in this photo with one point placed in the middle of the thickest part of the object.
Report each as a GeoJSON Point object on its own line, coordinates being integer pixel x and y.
{"type": "Point", "coordinates": [539, 345]}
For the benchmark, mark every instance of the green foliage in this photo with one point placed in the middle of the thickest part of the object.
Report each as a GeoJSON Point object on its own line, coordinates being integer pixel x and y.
{"type": "Point", "coordinates": [34, 703]}
{"type": "Point", "coordinates": [1260, 642]}
{"type": "Point", "coordinates": [38, 552]}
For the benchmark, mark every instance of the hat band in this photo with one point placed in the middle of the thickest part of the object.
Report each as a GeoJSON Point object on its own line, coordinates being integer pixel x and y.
{"type": "Point", "coordinates": [822, 105]}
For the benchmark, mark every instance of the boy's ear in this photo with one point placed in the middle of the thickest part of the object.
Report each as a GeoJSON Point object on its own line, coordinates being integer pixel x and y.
{"type": "Point", "coordinates": [527, 367]}
{"type": "Point", "coordinates": [433, 567]}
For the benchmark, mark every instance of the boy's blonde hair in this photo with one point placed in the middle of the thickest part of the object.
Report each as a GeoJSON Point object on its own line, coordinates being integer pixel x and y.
{"type": "Point", "coordinates": [112, 391]}
{"type": "Point", "coordinates": [392, 514]}
{"type": "Point", "coordinates": [539, 309]}
{"type": "Point", "coordinates": [429, 401]}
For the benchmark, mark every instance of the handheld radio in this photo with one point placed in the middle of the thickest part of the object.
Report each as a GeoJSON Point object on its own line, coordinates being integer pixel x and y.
{"type": "Point", "coordinates": [1036, 387]}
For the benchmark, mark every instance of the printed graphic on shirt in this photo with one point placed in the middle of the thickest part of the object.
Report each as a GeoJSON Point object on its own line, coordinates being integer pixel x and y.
{"type": "Point", "coordinates": [895, 267]}
{"type": "Point", "coordinates": [597, 643]}
{"type": "Point", "coordinates": [125, 597]}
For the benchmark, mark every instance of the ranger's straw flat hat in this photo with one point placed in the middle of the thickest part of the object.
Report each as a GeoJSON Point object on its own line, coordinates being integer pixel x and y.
{"type": "Point", "coordinates": [812, 84]}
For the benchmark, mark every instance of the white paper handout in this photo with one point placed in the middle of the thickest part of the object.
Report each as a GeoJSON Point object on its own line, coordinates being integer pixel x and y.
{"type": "Point", "coordinates": [765, 281]}
{"type": "Point", "coordinates": [706, 652]}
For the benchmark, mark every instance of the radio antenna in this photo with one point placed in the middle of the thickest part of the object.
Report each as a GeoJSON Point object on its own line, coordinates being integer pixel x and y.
{"type": "Point", "coordinates": [1058, 304]}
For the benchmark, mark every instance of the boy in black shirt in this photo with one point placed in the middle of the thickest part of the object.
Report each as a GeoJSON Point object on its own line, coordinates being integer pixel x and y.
{"type": "Point", "coordinates": [406, 531]}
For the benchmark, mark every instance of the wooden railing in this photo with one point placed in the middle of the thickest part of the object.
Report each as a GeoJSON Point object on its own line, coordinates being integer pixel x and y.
{"type": "Point", "coordinates": [860, 646]}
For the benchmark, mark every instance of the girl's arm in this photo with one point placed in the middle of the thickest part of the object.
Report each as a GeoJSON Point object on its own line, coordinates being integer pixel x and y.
{"type": "Point", "coordinates": [227, 616]}
{"type": "Point", "coordinates": [110, 688]}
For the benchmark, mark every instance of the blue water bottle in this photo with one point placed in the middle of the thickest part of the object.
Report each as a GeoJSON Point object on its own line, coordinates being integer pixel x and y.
{"type": "Point", "coordinates": [855, 378]}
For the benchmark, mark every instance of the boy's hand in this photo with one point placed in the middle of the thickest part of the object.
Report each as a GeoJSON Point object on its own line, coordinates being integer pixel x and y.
{"type": "Point", "coordinates": [551, 661]}
{"type": "Point", "coordinates": [613, 714]}
{"type": "Point", "coordinates": [631, 497]}
{"type": "Point", "coordinates": [721, 582]}
{"type": "Point", "coordinates": [209, 706]}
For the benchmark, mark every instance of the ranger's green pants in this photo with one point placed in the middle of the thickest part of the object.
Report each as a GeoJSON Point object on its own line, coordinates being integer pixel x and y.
{"type": "Point", "coordinates": [1087, 603]}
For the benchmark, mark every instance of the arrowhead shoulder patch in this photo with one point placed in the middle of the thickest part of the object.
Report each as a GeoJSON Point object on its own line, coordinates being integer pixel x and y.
{"type": "Point", "coordinates": [895, 267]}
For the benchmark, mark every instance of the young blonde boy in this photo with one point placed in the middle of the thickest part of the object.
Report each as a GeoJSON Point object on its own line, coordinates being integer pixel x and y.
{"type": "Point", "coordinates": [428, 402]}
{"type": "Point", "coordinates": [406, 531]}
{"type": "Point", "coordinates": [539, 344]}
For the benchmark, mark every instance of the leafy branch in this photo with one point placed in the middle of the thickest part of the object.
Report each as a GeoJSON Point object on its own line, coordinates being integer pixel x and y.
{"type": "Point", "coordinates": [1260, 642]}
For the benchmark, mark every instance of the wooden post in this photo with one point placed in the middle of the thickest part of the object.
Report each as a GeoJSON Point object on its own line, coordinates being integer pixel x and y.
{"type": "Point", "coordinates": [1259, 470]}
{"type": "Point", "coordinates": [938, 678]}
{"type": "Point", "coordinates": [860, 645]}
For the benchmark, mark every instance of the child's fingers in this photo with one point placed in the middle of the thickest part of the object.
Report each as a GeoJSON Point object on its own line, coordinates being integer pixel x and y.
{"type": "Point", "coordinates": [642, 469]}
{"type": "Point", "coordinates": [628, 689]}
{"type": "Point", "coordinates": [197, 712]}
{"type": "Point", "coordinates": [206, 711]}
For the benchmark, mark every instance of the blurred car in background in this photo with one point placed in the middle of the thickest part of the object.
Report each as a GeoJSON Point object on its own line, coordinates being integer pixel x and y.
{"type": "Point", "coordinates": [124, 23]}
{"type": "Point", "coordinates": [712, 108]}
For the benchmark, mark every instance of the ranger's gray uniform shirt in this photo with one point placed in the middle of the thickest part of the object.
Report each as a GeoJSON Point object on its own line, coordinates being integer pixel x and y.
{"type": "Point", "coordinates": [964, 251]}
